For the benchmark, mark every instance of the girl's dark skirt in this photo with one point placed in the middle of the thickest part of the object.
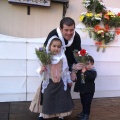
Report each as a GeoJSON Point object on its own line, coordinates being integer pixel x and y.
{"type": "Point", "coordinates": [57, 101]}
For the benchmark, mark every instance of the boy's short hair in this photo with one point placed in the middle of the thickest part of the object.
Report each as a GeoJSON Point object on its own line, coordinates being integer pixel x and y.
{"type": "Point", "coordinates": [91, 59]}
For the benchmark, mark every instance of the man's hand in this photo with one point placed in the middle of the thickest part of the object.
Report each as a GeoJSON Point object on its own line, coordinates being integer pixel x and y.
{"type": "Point", "coordinates": [70, 84]}
{"type": "Point", "coordinates": [77, 66]}
{"type": "Point", "coordinates": [73, 76]}
{"type": "Point", "coordinates": [83, 69]}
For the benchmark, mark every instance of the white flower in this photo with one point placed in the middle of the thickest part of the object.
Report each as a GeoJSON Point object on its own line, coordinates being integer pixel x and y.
{"type": "Point", "coordinates": [101, 3]}
{"type": "Point", "coordinates": [83, 13]}
{"type": "Point", "coordinates": [97, 18]}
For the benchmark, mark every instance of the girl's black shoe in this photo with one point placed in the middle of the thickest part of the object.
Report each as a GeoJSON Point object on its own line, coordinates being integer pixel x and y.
{"type": "Point", "coordinates": [60, 118]}
{"type": "Point", "coordinates": [41, 118]}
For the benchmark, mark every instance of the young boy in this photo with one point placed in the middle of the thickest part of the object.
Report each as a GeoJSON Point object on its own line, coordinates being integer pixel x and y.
{"type": "Point", "coordinates": [86, 87]}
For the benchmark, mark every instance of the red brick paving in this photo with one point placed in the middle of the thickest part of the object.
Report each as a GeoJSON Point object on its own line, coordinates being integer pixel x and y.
{"type": "Point", "coordinates": [101, 109]}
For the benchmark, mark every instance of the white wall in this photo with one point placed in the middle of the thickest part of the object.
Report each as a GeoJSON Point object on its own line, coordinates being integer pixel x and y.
{"type": "Point", "coordinates": [18, 64]}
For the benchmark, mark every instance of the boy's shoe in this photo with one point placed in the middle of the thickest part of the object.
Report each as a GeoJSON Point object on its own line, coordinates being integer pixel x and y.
{"type": "Point", "coordinates": [41, 118]}
{"type": "Point", "coordinates": [80, 115]}
{"type": "Point", "coordinates": [85, 117]}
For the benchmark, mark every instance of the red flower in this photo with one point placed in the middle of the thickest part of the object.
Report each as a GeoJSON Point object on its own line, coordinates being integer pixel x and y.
{"type": "Point", "coordinates": [97, 27]}
{"type": "Point", "coordinates": [83, 52]}
{"type": "Point", "coordinates": [118, 14]}
{"type": "Point", "coordinates": [81, 56]}
{"type": "Point", "coordinates": [117, 31]}
{"type": "Point", "coordinates": [106, 27]}
{"type": "Point", "coordinates": [106, 16]}
{"type": "Point", "coordinates": [98, 43]}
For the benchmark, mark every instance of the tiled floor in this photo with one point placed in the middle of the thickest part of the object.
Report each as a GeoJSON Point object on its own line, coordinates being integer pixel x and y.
{"type": "Point", "coordinates": [102, 109]}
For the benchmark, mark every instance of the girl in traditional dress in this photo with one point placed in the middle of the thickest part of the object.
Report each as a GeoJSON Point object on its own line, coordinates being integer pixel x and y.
{"type": "Point", "coordinates": [57, 101]}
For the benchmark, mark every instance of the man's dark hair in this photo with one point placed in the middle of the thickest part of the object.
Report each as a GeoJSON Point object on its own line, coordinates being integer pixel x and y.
{"type": "Point", "coordinates": [91, 59]}
{"type": "Point", "coordinates": [67, 21]}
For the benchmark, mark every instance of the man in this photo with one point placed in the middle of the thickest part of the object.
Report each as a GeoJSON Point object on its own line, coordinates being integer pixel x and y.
{"type": "Point", "coordinates": [70, 41]}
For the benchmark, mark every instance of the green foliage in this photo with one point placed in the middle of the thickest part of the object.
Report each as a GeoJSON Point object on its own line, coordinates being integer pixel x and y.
{"type": "Point", "coordinates": [114, 22]}
{"type": "Point", "coordinates": [104, 37]}
{"type": "Point", "coordinates": [90, 19]}
{"type": "Point", "coordinates": [43, 56]}
{"type": "Point", "coordinates": [94, 5]}
{"type": "Point", "coordinates": [99, 6]}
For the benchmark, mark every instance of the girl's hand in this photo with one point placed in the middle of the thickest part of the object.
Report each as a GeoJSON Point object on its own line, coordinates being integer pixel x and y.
{"type": "Point", "coordinates": [43, 68]}
{"type": "Point", "coordinates": [70, 84]}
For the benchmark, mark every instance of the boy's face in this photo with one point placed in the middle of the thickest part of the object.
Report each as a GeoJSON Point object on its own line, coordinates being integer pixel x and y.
{"type": "Point", "coordinates": [55, 47]}
{"type": "Point", "coordinates": [89, 65]}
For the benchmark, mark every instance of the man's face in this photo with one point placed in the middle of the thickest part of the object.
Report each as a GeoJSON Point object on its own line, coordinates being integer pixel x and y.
{"type": "Point", "coordinates": [67, 31]}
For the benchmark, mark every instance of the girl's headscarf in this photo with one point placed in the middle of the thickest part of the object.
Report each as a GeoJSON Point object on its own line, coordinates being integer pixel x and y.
{"type": "Point", "coordinates": [61, 56]}
{"type": "Point", "coordinates": [65, 75]}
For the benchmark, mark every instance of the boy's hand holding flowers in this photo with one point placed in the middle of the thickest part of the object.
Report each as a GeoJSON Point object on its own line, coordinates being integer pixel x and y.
{"type": "Point", "coordinates": [81, 58]}
{"type": "Point", "coordinates": [83, 69]}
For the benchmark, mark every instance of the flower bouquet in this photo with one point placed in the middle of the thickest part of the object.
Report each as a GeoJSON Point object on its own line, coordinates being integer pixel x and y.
{"type": "Point", "coordinates": [109, 18]}
{"type": "Point", "coordinates": [115, 21]}
{"type": "Point", "coordinates": [94, 5]}
{"type": "Point", "coordinates": [90, 19]}
{"type": "Point", "coordinates": [103, 36]}
{"type": "Point", "coordinates": [45, 58]}
{"type": "Point", "coordinates": [99, 6]}
{"type": "Point", "coordinates": [83, 57]}
{"type": "Point", "coordinates": [88, 4]}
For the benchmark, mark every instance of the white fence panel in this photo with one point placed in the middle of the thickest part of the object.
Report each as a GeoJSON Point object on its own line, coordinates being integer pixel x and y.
{"type": "Point", "coordinates": [31, 45]}
{"type": "Point", "coordinates": [12, 85]}
{"type": "Point", "coordinates": [13, 67]}
{"type": "Point", "coordinates": [107, 68]}
{"type": "Point", "coordinates": [111, 53]}
{"type": "Point", "coordinates": [12, 89]}
{"type": "Point", "coordinates": [32, 66]}
{"type": "Point", "coordinates": [18, 63]}
{"type": "Point", "coordinates": [12, 50]}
